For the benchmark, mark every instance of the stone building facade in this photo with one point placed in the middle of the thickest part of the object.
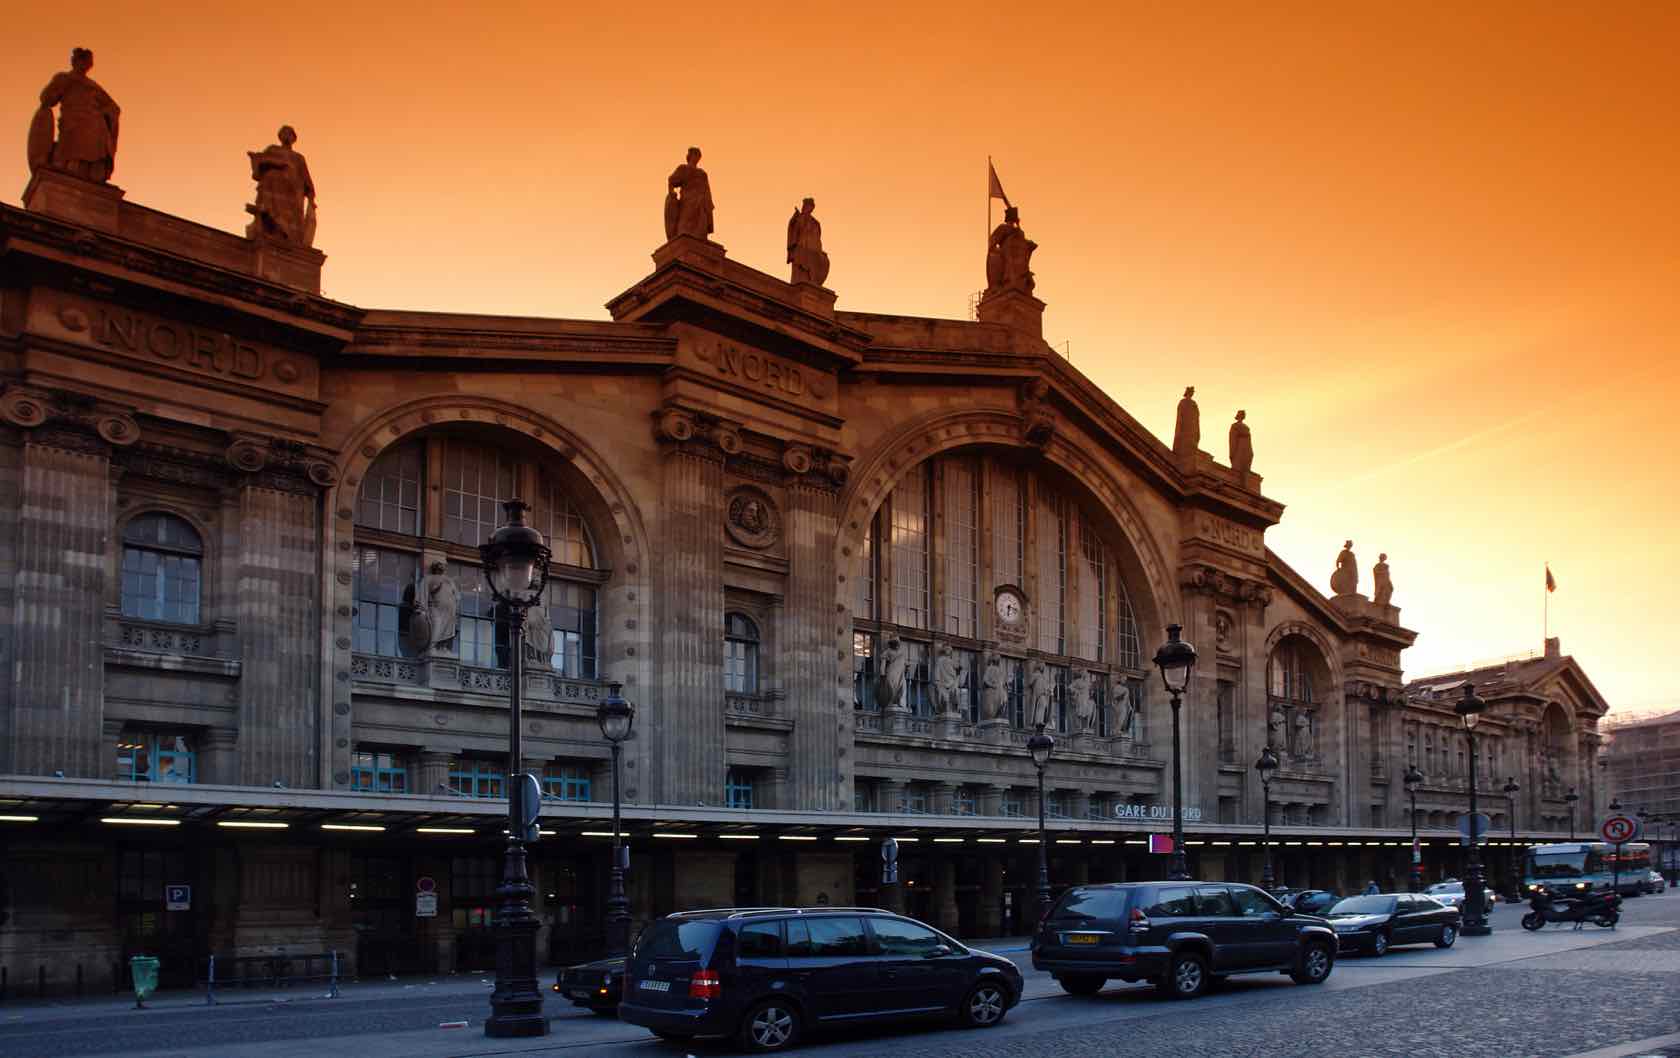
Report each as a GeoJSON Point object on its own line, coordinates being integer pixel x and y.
{"type": "Point", "coordinates": [840, 561]}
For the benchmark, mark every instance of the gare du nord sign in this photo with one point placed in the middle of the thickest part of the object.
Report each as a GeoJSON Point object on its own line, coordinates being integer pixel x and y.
{"type": "Point", "coordinates": [1148, 811]}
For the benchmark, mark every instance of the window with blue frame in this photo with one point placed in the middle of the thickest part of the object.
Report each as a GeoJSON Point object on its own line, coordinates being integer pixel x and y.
{"type": "Point", "coordinates": [964, 803]}
{"type": "Point", "coordinates": [863, 671]}
{"type": "Point", "coordinates": [1013, 803]}
{"type": "Point", "coordinates": [568, 782]}
{"type": "Point", "coordinates": [471, 777]}
{"type": "Point", "coordinates": [378, 771]}
{"type": "Point", "coordinates": [160, 569]}
{"type": "Point", "coordinates": [738, 788]}
{"type": "Point", "coordinates": [916, 799]}
{"type": "Point", "coordinates": [147, 756]}
{"type": "Point", "coordinates": [863, 796]}
{"type": "Point", "coordinates": [1055, 805]}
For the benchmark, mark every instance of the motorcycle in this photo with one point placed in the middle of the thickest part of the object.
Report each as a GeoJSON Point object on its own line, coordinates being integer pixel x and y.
{"type": "Point", "coordinates": [1601, 909]}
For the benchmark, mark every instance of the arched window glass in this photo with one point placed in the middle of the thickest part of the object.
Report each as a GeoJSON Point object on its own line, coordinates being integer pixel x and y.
{"type": "Point", "coordinates": [740, 654]}
{"type": "Point", "coordinates": [1052, 572]}
{"type": "Point", "coordinates": [390, 496]}
{"type": "Point", "coordinates": [962, 548]}
{"type": "Point", "coordinates": [558, 519]}
{"type": "Point", "coordinates": [1289, 674]}
{"type": "Point", "coordinates": [161, 573]}
{"type": "Point", "coordinates": [910, 537]}
{"type": "Point", "coordinates": [477, 480]}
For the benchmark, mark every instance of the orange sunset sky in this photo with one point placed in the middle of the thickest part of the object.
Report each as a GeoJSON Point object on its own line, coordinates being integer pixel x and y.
{"type": "Point", "coordinates": [1432, 249]}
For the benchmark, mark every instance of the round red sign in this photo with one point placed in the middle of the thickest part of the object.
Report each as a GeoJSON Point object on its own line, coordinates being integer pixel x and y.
{"type": "Point", "coordinates": [425, 884]}
{"type": "Point", "coordinates": [1618, 829]}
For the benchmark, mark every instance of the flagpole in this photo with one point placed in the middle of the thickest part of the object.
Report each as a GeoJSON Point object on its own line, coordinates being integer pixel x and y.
{"type": "Point", "coordinates": [1546, 609]}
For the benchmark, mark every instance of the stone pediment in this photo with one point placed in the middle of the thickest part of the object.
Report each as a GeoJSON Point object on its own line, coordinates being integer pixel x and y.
{"type": "Point", "coordinates": [694, 281]}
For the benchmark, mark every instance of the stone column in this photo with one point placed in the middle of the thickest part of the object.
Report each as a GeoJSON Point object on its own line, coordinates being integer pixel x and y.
{"type": "Point", "coordinates": [279, 636]}
{"type": "Point", "coordinates": [991, 896]}
{"type": "Point", "coordinates": [686, 726]}
{"type": "Point", "coordinates": [889, 794]}
{"type": "Point", "coordinates": [944, 797]}
{"type": "Point", "coordinates": [990, 802]}
{"type": "Point", "coordinates": [219, 756]}
{"type": "Point", "coordinates": [57, 667]}
{"type": "Point", "coordinates": [814, 762]}
{"type": "Point", "coordinates": [112, 730]}
{"type": "Point", "coordinates": [434, 770]}
{"type": "Point", "coordinates": [945, 914]}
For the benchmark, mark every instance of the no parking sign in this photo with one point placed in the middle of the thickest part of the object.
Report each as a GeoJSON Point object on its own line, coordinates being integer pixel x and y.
{"type": "Point", "coordinates": [1619, 829]}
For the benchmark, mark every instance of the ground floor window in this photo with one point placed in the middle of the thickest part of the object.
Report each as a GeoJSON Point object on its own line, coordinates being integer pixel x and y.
{"type": "Point", "coordinates": [1014, 803]}
{"type": "Point", "coordinates": [146, 756]}
{"type": "Point", "coordinates": [738, 788]}
{"type": "Point", "coordinates": [964, 805]}
{"type": "Point", "coordinates": [863, 796]}
{"type": "Point", "coordinates": [476, 778]}
{"type": "Point", "coordinates": [378, 772]}
{"type": "Point", "coordinates": [568, 782]}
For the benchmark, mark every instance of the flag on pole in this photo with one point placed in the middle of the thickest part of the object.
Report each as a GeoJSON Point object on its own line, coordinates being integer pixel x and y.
{"type": "Point", "coordinates": [994, 186]}
{"type": "Point", "coordinates": [1551, 585]}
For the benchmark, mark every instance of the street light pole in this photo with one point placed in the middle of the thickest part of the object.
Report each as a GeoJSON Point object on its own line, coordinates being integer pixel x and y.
{"type": "Point", "coordinates": [1470, 709]}
{"type": "Point", "coordinates": [1176, 659]}
{"type": "Point", "coordinates": [1616, 869]}
{"type": "Point", "coordinates": [616, 716]}
{"type": "Point", "coordinates": [515, 563]}
{"type": "Point", "coordinates": [1040, 746]}
{"type": "Point", "coordinates": [1266, 765]}
{"type": "Point", "coordinates": [1413, 779]}
{"type": "Point", "coordinates": [1569, 799]}
{"type": "Point", "coordinates": [1511, 789]}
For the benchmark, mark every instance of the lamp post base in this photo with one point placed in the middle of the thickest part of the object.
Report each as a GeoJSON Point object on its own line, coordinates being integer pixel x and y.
{"type": "Point", "coordinates": [516, 1006]}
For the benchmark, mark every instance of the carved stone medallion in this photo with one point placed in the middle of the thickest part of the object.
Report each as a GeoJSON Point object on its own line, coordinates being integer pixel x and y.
{"type": "Point", "coordinates": [751, 518]}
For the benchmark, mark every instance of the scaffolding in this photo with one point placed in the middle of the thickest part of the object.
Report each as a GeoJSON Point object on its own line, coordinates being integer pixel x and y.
{"type": "Point", "coordinates": [1642, 762]}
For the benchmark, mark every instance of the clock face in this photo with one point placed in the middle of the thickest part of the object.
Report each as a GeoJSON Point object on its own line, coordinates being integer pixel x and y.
{"type": "Point", "coordinates": [1009, 607]}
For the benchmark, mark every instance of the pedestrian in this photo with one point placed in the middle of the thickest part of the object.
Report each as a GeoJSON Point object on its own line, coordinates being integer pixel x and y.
{"type": "Point", "coordinates": [1372, 890]}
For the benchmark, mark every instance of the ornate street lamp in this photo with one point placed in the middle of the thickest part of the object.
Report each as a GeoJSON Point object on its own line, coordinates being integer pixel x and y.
{"type": "Point", "coordinates": [1266, 765]}
{"type": "Point", "coordinates": [516, 566]}
{"type": "Point", "coordinates": [1569, 799]}
{"type": "Point", "coordinates": [1176, 659]}
{"type": "Point", "coordinates": [1412, 780]}
{"type": "Point", "coordinates": [1470, 709]}
{"type": "Point", "coordinates": [616, 717]}
{"type": "Point", "coordinates": [1511, 789]}
{"type": "Point", "coordinates": [1040, 745]}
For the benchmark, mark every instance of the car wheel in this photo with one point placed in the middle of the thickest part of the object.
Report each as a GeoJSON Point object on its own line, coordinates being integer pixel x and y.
{"type": "Point", "coordinates": [985, 1006]}
{"type": "Point", "coordinates": [1379, 945]}
{"type": "Point", "coordinates": [1081, 984]}
{"type": "Point", "coordinates": [772, 1025]}
{"type": "Point", "coordinates": [1449, 934]}
{"type": "Point", "coordinates": [1187, 976]}
{"type": "Point", "coordinates": [1533, 921]}
{"type": "Point", "coordinates": [1316, 962]}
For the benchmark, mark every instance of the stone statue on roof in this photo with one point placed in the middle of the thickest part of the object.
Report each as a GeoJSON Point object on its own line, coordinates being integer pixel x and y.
{"type": "Point", "coordinates": [1242, 445]}
{"type": "Point", "coordinates": [688, 199]}
{"type": "Point", "coordinates": [1187, 431]}
{"type": "Point", "coordinates": [1009, 256]}
{"type": "Point", "coordinates": [1381, 584]}
{"type": "Point", "coordinates": [1345, 581]}
{"type": "Point", "coordinates": [285, 207]}
{"type": "Point", "coordinates": [804, 245]}
{"type": "Point", "coordinates": [86, 145]}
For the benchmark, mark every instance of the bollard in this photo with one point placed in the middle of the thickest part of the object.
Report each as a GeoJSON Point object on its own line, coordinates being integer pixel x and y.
{"type": "Point", "coordinates": [41, 982]}
{"type": "Point", "coordinates": [210, 984]}
{"type": "Point", "coordinates": [332, 992]}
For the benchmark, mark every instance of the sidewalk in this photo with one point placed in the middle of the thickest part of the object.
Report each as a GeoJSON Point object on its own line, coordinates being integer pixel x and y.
{"type": "Point", "coordinates": [415, 986]}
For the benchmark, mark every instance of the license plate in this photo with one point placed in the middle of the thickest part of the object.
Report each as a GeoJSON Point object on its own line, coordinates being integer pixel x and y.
{"type": "Point", "coordinates": [654, 986]}
{"type": "Point", "coordinates": [1081, 938]}
{"type": "Point", "coordinates": [582, 993]}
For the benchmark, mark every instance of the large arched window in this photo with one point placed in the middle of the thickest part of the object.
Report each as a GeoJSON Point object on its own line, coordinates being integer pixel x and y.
{"type": "Point", "coordinates": [740, 654]}
{"type": "Point", "coordinates": [161, 575]}
{"type": "Point", "coordinates": [1289, 671]}
{"type": "Point", "coordinates": [442, 497]}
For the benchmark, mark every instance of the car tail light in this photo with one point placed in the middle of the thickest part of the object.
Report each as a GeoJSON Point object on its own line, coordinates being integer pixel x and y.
{"type": "Point", "coordinates": [705, 984]}
{"type": "Point", "coordinates": [1139, 920]}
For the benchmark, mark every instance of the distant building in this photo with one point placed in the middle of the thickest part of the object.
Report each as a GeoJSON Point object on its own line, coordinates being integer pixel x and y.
{"type": "Point", "coordinates": [1642, 770]}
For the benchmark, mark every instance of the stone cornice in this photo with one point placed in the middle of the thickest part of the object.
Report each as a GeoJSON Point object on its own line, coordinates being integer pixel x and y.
{"type": "Point", "coordinates": [1228, 587]}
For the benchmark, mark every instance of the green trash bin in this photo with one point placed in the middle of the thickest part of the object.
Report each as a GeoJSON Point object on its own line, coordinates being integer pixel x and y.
{"type": "Point", "coordinates": [144, 970]}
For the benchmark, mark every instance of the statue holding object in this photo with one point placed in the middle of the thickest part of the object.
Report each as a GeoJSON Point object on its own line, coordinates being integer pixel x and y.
{"type": "Point", "coordinates": [1009, 256]}
{"type": "Point", "coordinates": [804, 245]}
{"type": "Point", "coordinates": [87, 124]}
{"type": "Point", "coordinates": [1382, 585]}
{"type": "Point", "coordinates": [1345, 581]}
{"type": "Point", "coordinates": [688, 199]}
{"type": "Point", "coordinates": [285, 207]}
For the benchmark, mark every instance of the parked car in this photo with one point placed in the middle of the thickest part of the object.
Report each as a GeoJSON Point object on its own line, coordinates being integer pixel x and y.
{"type": "Point", "coordinates": [769, 975]}
{"type": "Point", "coordinates": [1373, 924]}
{"type": "Point", "coordinates": [1179, 935]}
{"type": "Point", "coordinates": [1452, 894]}
{"type": "Point", "coordinates": [1656, 883]}
{"type": "Point", "coordinates": [598, 985]}
{"type": "Point", "coordinates": [1309, 901]}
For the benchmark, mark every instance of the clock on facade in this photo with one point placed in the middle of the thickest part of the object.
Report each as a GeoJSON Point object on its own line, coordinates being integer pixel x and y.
{"type": "Point", "coordinates": [1011, 608]}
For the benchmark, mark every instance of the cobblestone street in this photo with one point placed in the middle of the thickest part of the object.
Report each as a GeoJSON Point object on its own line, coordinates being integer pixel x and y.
{"type": "Point", "coordinates": [1555, 994]}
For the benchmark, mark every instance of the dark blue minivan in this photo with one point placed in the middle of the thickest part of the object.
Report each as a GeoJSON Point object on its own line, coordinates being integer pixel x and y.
{"type": "Point", "coordinates": [768, 975]}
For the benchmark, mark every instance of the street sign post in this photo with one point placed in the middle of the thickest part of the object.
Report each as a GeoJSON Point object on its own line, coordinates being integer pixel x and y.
{"type": "Point", "coordinates": [1618, 830]}
{"type": "Point", "coordinates": [889, 862]}
{"type": "Point", "coordinates": [177, 898]}
{"type": "Point", "coordinates": [529, 794]}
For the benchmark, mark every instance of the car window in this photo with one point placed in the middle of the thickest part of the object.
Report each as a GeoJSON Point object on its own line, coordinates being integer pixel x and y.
{"type": "Point", "coordinates": [1364, 905]}
{"type": "Point", "coordinates": [759, 940]}
{"type": "Point", "coordinates": [1251, 903]}
{"type": "Point", "coordinates": [679, 940]}
{"type": "Point", "coordinates": [833, 937]}
{"type": "Point", "coordinates": [1174, 902]}
{"type": "Point", "coordinates": [1424, 903]}
{"type": "Point", "coordinates": [1215, 900]}
{"type": "Point", "coordinates": [897, 937]}
{"type": "Point", "coordinates": [1090, 904]}
{"type": "Point", "coordinates": [798, 937]}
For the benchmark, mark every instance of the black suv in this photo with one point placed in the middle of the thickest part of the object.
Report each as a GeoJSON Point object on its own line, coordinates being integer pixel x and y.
{"type": "Point", "coordinates": [766, 975]}
{"type": "Point", "coordinates": [1179, 935]}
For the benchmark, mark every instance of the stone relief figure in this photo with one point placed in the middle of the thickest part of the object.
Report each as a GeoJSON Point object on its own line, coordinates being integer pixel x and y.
{"type": "Point", "coordinates": [994, 696]}
{"type": "Point", "coordinates": [1383, 586]}
{"type": "Point", "coordinates": [87, 124]}
{"type": "Point", "coordinates": [804, 245]}
{"type": "Point", "coordinates": [688, 200]}
{"type": "Point", "coordinates": [947, 681]}
{"type": "Point", "coordinates": [1009, 256]}
{"type": "Point", "coordinates": [285, 207]}
{"type": "Point", "coordinates": [1038, 694]}
{"type": "Point", "coordinates": [1345, 581]}
{"type": "Point", "coordinates": [1277, 727]}
{"type": "Point", "coordinates": [1242, 445]}
{"type": "Point", "coordinates": [1303, 735]}
{"type": "Point", "coordinates": [889, 690]}
{"type": "Point", "coordinates": [443, 607]}
{"type": "Point", "coordinates": [539, 638]}
{"type": "Point", "coordinates": [1084, 703]}
{"type": "Point", "coordinates": [1187, 432]}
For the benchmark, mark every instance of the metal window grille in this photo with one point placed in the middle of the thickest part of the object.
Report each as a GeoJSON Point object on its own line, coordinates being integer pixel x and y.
{"type": "Point", "coordinates": [910, 538]}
